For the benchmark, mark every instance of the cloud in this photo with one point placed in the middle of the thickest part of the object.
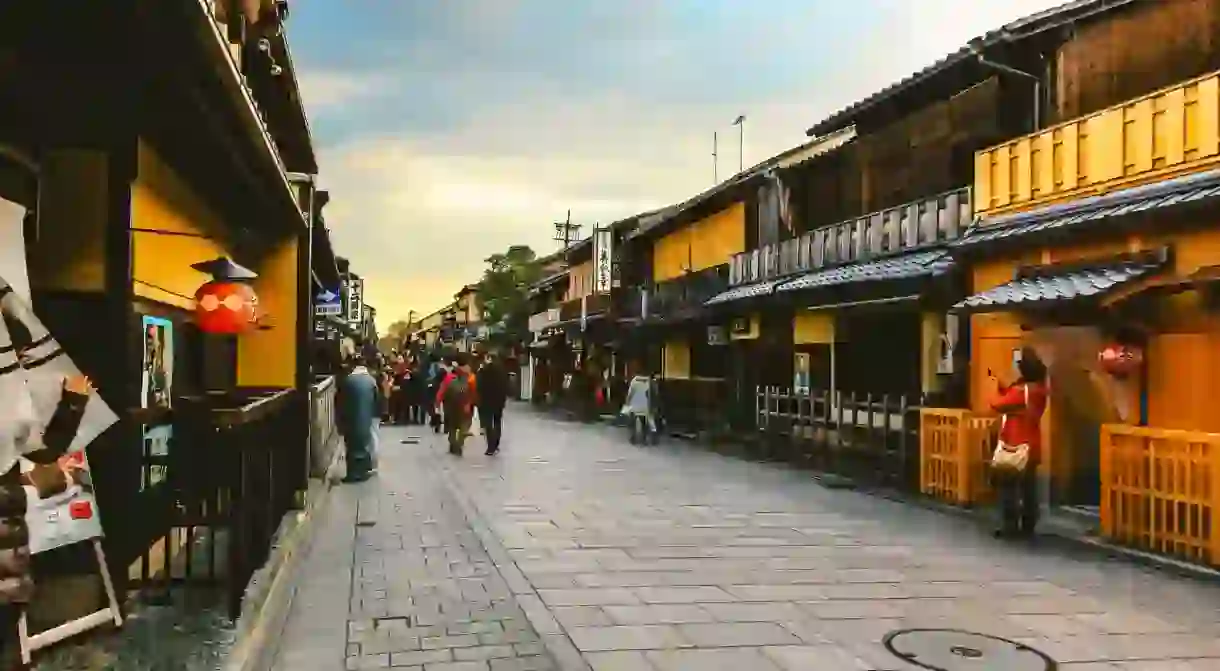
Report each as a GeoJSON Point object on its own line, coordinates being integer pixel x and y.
{"type": "Point", "coordinates": [449, 131]}
{"type": "Point", "coordinates": [323, 91]}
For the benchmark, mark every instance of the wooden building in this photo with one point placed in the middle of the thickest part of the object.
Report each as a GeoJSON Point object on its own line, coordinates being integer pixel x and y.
{"type": "Point", "coordinates": [1094, 236]}
{"type": "Point", "coordinates": [144, 138]}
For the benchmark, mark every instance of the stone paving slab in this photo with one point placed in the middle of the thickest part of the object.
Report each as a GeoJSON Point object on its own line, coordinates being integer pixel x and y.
{"type": "Point", "coordinates": [670, 557]}
{"type": "Point", "coordinates": [402, 581]}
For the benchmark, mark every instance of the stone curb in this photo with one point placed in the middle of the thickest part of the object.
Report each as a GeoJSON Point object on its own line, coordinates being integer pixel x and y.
{"type": "Point", "coordinates": [554, 639]}
{"type": "Point", "coordinates": [268, 599]}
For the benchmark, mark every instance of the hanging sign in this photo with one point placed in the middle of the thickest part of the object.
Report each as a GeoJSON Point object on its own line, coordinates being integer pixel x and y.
{"type": "Point", "coordinates": [603, 260]}
{"type": "Point", "coordinates": [355, 300]}
{"type": "Point", "coordinates": [328, 303]}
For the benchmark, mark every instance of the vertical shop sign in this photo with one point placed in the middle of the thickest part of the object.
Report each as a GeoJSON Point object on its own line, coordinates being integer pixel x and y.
{"type": "Point", "coordinates": [603, 260]}
{"type": "Point", "coordinates": [355, 300]}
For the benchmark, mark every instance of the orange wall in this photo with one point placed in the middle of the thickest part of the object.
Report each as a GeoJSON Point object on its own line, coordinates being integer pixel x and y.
{"type": "Point", "coordinates": [706, 243]}
{"type": "Point", "coordinates": [1183, 355]}
{"type": "Point", "coordinates": [267, 357]}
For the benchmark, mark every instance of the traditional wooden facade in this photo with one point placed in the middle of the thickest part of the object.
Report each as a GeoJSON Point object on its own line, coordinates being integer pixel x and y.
{"type": "Point", "coordinates": [1094, 233]}
{"type": "Point", "coordinates": [146, 137]}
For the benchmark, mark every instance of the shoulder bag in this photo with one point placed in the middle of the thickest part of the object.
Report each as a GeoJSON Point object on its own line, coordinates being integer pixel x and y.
{"type": "Point", "coordinates": [1011, 458]}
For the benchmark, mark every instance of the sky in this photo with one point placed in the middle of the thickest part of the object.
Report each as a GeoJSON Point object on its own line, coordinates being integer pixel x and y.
{"type": "Point", "coordinates": [448, 130]}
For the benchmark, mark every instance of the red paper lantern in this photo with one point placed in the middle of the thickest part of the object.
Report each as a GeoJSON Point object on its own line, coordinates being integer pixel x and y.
{"type": "Point", "coordinates": [227, 304]}
{"type": "Point", "coordinates": [1120, 360]}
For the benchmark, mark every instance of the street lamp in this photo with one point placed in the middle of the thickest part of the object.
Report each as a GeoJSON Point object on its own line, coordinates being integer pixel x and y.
{"type": "Point", "coordinates": [740, 122]}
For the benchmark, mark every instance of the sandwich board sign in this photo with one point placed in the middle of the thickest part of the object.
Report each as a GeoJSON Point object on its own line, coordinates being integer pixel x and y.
{"type": "Point", "coordinates": [328, 303]}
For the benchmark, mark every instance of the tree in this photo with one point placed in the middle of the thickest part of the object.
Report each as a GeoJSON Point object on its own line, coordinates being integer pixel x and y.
{"type": "Point", "coordinates": [503, 288]}
{"type": "Point", "coordinates": [395, 334]}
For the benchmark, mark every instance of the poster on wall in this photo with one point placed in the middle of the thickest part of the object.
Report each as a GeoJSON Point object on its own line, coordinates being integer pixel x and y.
{"type": "Point", "coordinates": [156, 380]}
{"type": "Point", "coordinates": [156, 391]}
{"type": "Point", "coordinates": [801, 382]}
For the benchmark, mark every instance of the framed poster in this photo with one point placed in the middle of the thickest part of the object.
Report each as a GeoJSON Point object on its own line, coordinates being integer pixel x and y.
{"type": "Point", "coordinates": [801, 381]}
{"type": "Point", "coordinates": [157, 371]}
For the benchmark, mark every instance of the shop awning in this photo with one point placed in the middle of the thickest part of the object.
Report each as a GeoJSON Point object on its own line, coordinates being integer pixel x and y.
{"type": "Point", "coordinates": [756, 290]}
{"type": "Point", "coordinates": [910, 265]}
{"type": "Point", "coordinates": [1051, 285]}
{"type": "Point", "coordinates": [1188, 190]}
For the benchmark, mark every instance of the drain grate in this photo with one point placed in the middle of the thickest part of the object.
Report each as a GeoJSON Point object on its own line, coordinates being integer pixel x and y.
{"type": "Point", "coordinates": [957, 650]}
{"type": "Point", "coordinates": [410, 441]}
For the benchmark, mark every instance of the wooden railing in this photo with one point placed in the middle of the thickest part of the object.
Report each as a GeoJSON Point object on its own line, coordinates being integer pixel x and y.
{"type": "Point", "coordinates": [237, 464]}
{"type": "Point", "coordinates": [1168, 132]}
{"type": "Point", "coordinates": [912, 225]}
{"type": "Point", "coordinates": [324, 429]}
{"type": "Point", "coordinates": [955, 448]}
{"type": "Point", "coordinates": [688, 293]}
{"type": "Point", "coordinates": [1160, 490]}
{"type": "Point", "coordinates": [865, 436]}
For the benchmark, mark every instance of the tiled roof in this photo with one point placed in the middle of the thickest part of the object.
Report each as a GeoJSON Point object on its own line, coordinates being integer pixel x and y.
{"type": "Point", "coordinates": [743, 292]}
{"type": "Point", "coordinates": [1069, 284]}
{"type": "Point", "coordinates": [1176, 192]}
{"type": "Point", "coordinates": [903, 266]}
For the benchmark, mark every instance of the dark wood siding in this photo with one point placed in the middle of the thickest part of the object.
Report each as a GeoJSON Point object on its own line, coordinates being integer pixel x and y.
{"type": "Point", "coordinates": [1151, 46]}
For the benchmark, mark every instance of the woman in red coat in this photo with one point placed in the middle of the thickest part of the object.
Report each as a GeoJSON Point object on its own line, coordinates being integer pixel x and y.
{"type": "Point", "coordinates": [1022, 405]}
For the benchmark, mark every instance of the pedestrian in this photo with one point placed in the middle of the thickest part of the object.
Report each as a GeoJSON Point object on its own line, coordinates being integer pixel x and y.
{"type": "Point", "coordinates": [640, 408]}
{"type": "Point", "coordinates": [358, 403]}
{"type": "Point", "coordinates": [436, 375]}
{"type": "Point", "coordinates": [399, 404]}
{"type": "Point", "coordinates": [1016, 459]}
{"type": "Point", "coordinates": [419, 380]}
{"type": "Point", "coordinates": [456, 396]}
{"type": "Point", "coordinates": [492, 385]}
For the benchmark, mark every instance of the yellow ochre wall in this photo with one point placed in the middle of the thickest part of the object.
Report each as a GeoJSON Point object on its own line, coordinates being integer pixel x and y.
{"type": "Point", "coordinates": [267, 358]}
{"type": "Point", "coordinates": [706, 243]}
{"type": "Point", "coordinates": [675, 363]}
{"type": "Point", "coordinates": [813, 327]}
{"type": "Point", "coordinates": [161, 261]}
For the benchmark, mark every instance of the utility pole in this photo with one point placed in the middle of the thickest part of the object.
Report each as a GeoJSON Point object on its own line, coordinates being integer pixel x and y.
{"type": "Point", "coordinates": [566, 232]}
{"type": "Point", "coordinates": [715, 159]}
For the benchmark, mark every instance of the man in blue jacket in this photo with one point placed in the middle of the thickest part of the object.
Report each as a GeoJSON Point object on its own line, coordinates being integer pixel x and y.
{"type": "Point", "coordinates": [359, 400]}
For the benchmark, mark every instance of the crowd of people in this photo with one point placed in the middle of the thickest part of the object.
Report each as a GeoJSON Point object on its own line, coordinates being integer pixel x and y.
{"type": "Point", "coordinates": [444, 393]}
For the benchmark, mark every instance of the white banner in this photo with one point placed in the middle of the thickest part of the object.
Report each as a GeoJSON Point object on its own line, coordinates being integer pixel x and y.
{"type": "Point", "coordinates": [603, 260]}
{"type": "Point", "coordinates": [71, 516]}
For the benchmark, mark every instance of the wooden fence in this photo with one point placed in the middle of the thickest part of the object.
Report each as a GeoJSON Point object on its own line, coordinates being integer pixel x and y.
{"type": "Point", "coordinates": [955, 448]}
{"type": "Point", "coordinates": [870, 437]}
{"type": "Point", "coordinates": [1161, 490]}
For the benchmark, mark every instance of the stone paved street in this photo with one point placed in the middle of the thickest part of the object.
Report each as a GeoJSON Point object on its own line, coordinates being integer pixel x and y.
{"type": "Point", "coordinates": [612, 556]}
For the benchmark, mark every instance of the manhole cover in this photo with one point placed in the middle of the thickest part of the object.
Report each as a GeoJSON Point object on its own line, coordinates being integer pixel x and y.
{"type": "Point", "coordinates": [956, 650]}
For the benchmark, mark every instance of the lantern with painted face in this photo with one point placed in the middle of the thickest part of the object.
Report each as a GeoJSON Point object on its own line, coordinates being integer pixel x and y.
{"type": "Point", "coordinates": [227, 304]}
{"type": "Point", "coordinates": [1120, 360]}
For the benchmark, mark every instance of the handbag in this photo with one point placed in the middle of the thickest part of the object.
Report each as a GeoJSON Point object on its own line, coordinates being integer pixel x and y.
{"type": "Point", "coordinates": [1011, 458]}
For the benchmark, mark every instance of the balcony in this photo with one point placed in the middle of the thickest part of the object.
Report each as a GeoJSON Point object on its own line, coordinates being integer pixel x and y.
{"type": "Point", "coordinates": [543, 320]}
{"type": "Point", "coordinates": [1163, 134]}
{"type": "Point", "coordinates": [686, 295]}
{"type": "Point", "coordinates": [920, 223]}
{"type": "Point", "coordinates": [595, 304]}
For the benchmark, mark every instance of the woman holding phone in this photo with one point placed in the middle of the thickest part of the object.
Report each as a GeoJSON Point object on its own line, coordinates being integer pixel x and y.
{"type": "Point", "coordinates": [1021, 405]}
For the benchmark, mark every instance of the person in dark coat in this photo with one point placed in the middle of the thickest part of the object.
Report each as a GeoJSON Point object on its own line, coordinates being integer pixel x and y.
{"type": "Point", "coordinates": [492, 383]}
